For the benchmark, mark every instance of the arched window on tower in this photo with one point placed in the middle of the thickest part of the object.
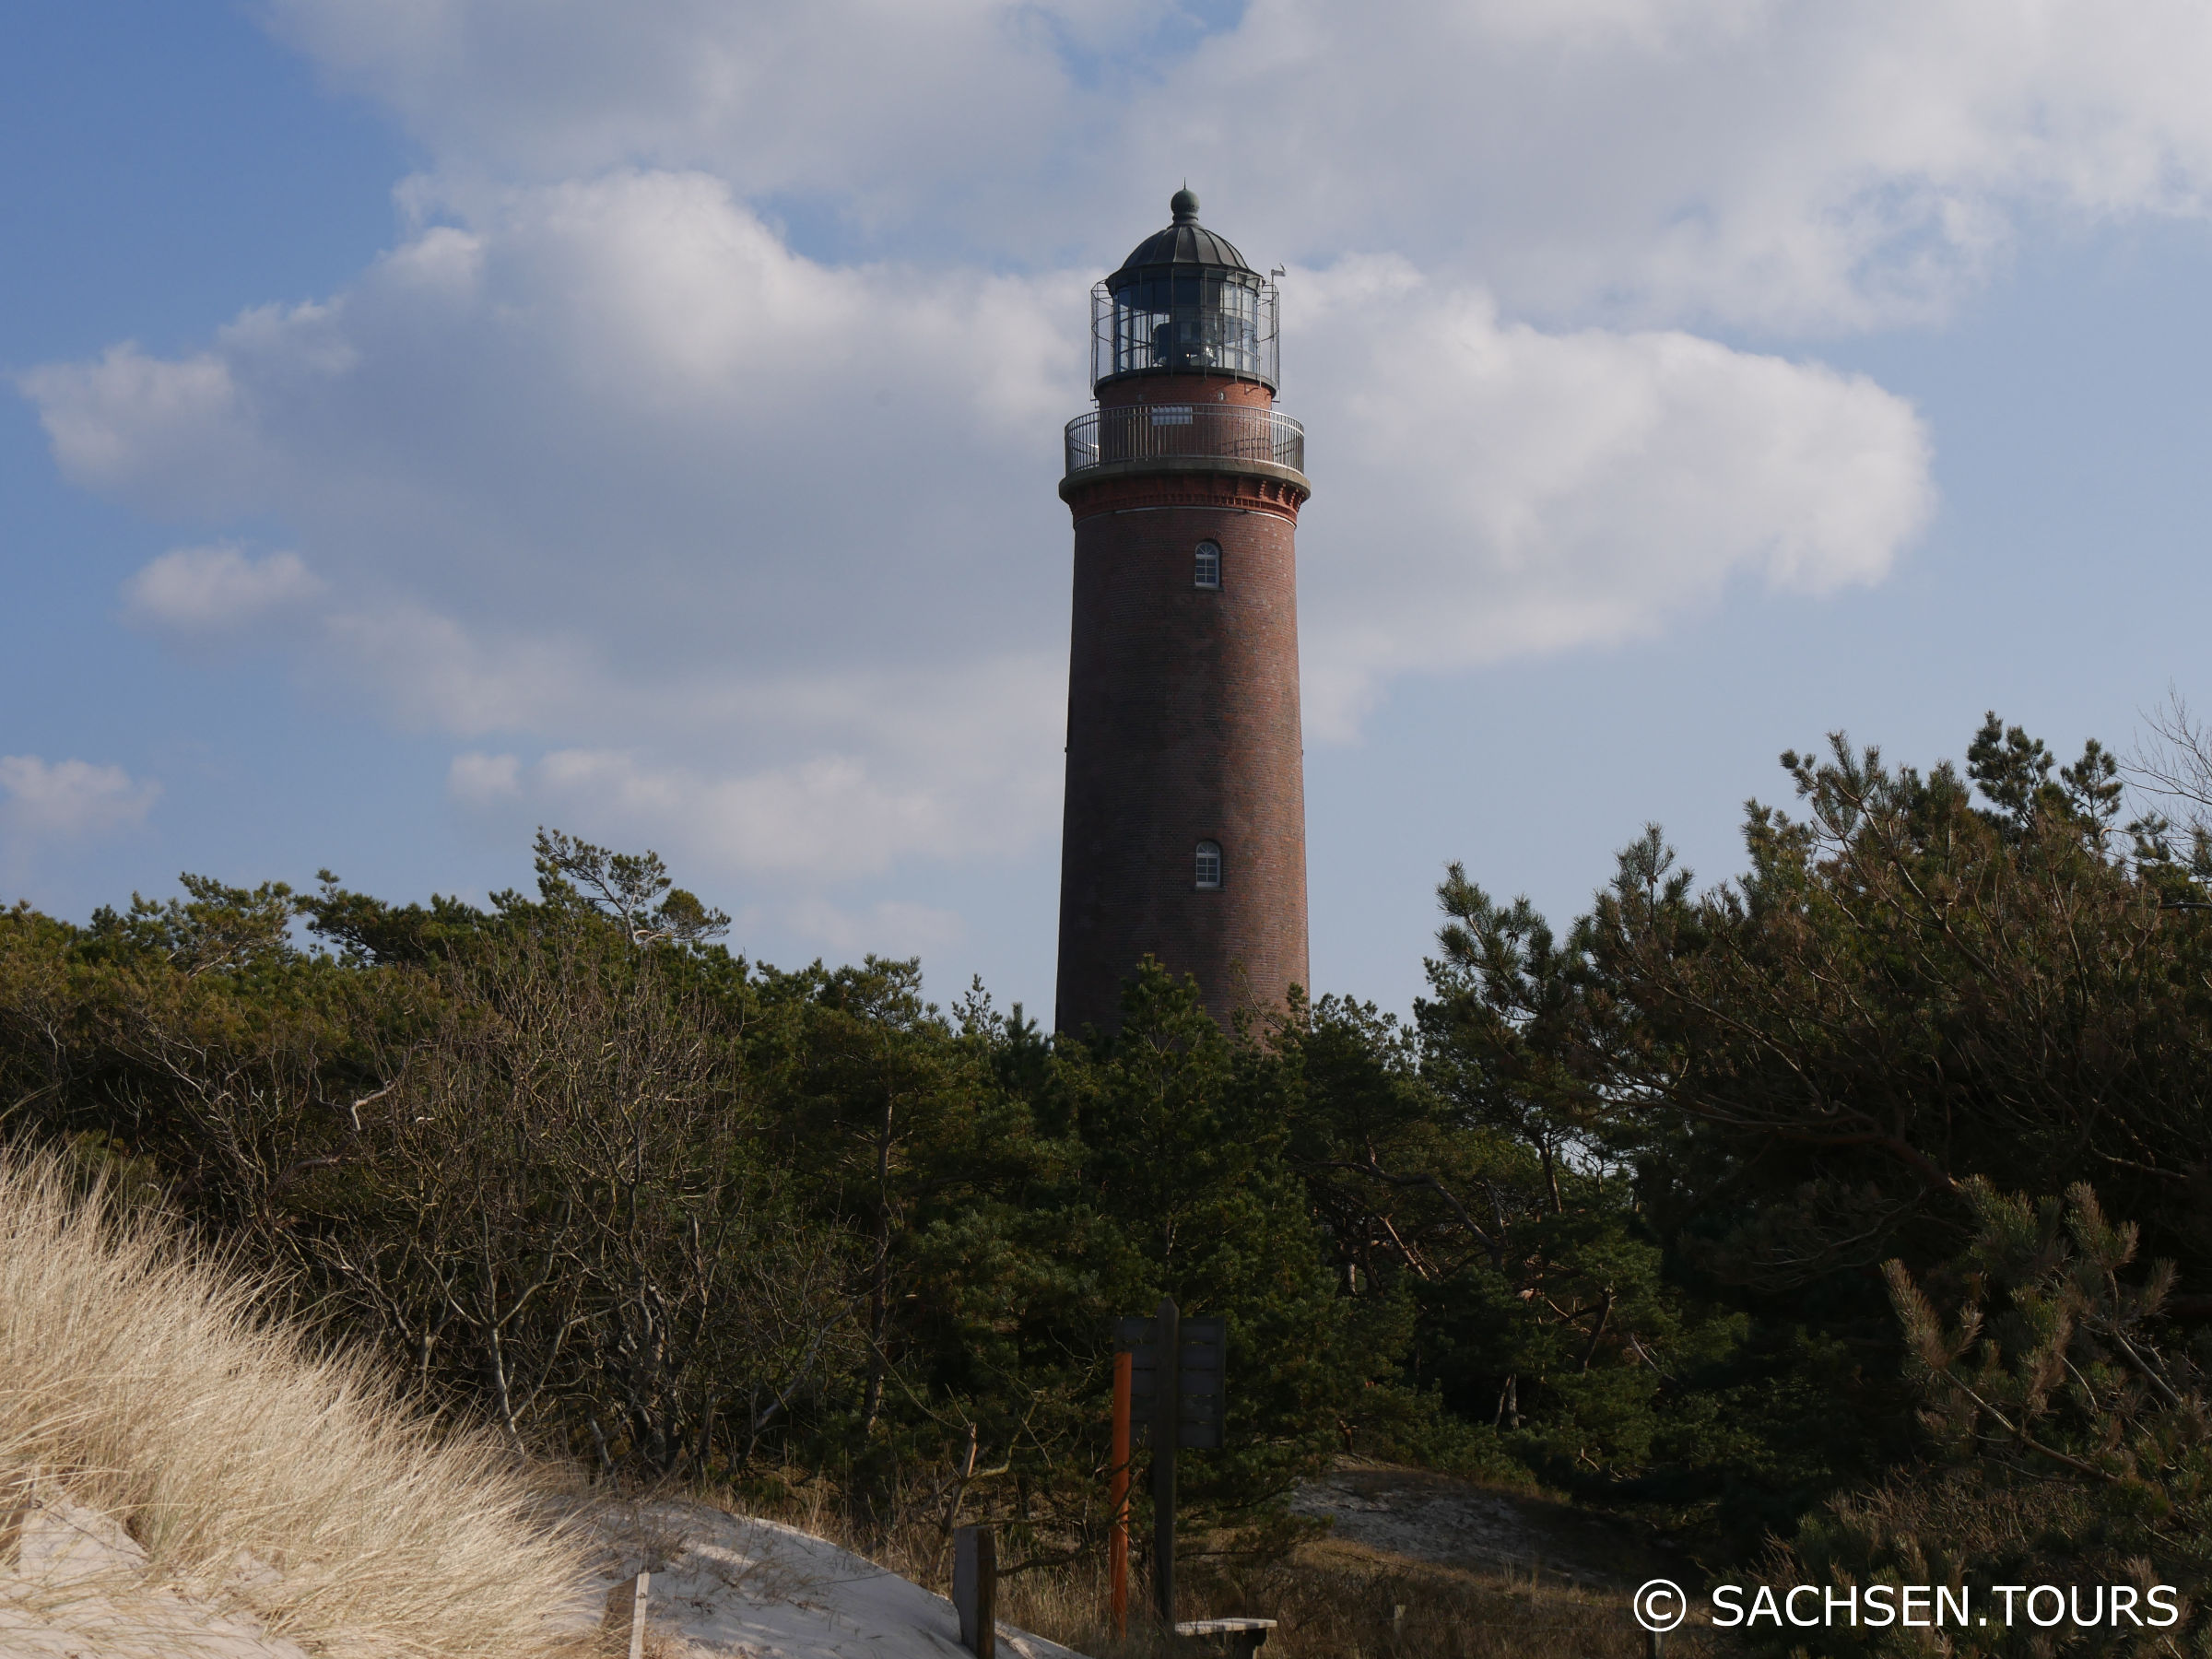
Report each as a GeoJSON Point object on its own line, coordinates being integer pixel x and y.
{"type": "Point", "coordinates": [1209, 866]}
{"type": "Point", "coordinates": [1209, 565]}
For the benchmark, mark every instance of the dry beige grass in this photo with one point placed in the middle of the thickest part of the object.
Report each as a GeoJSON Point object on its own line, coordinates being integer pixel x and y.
{"type": "Point", "coordinates": [1342, 1601]}
{"type": "Point", "coordinates": [1339, 1602]}
{"type": "Point", "coordinates": [260, 1476]}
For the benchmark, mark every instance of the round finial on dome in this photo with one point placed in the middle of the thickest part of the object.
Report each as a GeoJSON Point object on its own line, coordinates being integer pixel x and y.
{"type": "Point", "coordinates": [1184, 205]}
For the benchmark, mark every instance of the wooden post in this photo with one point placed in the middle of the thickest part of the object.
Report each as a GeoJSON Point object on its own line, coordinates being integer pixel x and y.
{"type": "Point", "coordinates": [637, 1618]}
{"type": "Point", "coordinates": [1167, 1428]}
{"type": "Point", "coordinates": [625, 1612]}
{"type": "Point", "coordinates": [1117, 1498]}
{"type": "Point", "coordinates": [975, 1589]}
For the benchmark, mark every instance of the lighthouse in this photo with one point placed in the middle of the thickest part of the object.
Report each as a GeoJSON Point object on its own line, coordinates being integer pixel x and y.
{"type": "Point", "coordinates": [1184, 833]}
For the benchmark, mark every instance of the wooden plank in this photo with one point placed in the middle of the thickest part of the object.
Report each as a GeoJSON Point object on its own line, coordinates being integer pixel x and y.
{"type": "Point", "coordinates": [625, 1611]}
{"type": "Point", "coordinates": [1165, 1414]}
{"type": "Point", "coordinates": [976, 1588]}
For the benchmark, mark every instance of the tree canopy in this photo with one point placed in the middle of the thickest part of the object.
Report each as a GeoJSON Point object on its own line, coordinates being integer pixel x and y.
{"type": "Point", "coordinates": [1830, 1208]}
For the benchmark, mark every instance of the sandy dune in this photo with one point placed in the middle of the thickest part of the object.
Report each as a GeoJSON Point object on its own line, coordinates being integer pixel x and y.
{"type": "Point", "coordinates": [724, 1586]}
{"type": "Point", "coordinates": [735, 1585]}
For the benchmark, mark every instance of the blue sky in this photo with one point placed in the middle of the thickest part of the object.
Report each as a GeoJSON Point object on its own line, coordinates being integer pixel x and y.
{"type": "Point", "coordinates": [426, 422]}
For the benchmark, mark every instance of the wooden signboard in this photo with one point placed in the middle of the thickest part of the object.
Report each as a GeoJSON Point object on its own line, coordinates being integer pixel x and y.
{"type": "Point", "coordinates": [1179, 1395]}
{"type": "Point", "coordinates": [1202, 1399]}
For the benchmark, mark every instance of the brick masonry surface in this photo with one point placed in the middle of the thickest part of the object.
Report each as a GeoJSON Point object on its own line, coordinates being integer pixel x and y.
{"type": "Point", "coordinates": [1181, 389]}
{"type": "Point", "coordinates": [1182, 727]}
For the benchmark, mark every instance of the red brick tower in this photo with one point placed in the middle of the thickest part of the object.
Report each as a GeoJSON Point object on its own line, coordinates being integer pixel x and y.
{"type": "Point", "coordinates": [1184, 834]}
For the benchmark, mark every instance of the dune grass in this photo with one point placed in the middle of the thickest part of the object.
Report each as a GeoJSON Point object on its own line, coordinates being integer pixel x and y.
{"type": "Point", "coordinates": [260, 1474]}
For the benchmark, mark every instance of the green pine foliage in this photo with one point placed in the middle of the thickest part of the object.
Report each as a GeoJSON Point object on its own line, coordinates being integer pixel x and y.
{"type": "Point", "coordinates": [2069, 1442]}
{"type": "Point", "coordinates": [680, 1215]}
{"type": "Point", "coordinates": [1700, 1209]}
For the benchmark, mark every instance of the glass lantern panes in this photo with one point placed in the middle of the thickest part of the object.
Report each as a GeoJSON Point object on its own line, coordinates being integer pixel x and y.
{"type": "Point", "coordinates": [1192, 320]}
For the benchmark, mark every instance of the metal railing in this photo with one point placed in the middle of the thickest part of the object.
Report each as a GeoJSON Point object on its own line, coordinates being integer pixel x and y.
{"type": "Point", "coordinates": [1184, 431]}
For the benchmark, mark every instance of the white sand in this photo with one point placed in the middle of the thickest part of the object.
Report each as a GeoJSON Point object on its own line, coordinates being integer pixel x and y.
{"type": "Point", "coordinates": [738, 1586]}
{"type": "Point", "coordinates": [72, 1588]}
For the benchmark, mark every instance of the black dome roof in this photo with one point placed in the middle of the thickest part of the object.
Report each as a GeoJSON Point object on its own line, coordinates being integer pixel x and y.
{"type": "Point", "coordinates": [1185, 242]}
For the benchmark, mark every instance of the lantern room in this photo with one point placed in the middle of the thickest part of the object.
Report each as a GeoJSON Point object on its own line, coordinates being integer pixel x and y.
{"type": "Point", "coordinates": [1184, 303]}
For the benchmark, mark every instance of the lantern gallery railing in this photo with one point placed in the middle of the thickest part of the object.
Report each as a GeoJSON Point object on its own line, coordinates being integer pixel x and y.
{"type": "Point", "coordinates": [1184, 432]}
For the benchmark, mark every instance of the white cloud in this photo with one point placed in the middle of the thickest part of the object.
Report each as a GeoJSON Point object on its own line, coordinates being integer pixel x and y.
{"type": "Point", "coordinates": [891, 928]}
{"type": "Point", "coordinates": [762, 556]}
{"type": "Point", "coordinates": [480, 781]}
{"type": "Point", "coordinates": [776, 95]}
{"type": "Point", "coordinates": [1779, 164]}
{"type": "Point", "coordinates": [432, 670]}
{"type": "Point", "coordinates": [42, 799]}
{"type": "Point", "coordinates": [626, 400]}
{"type": "Point", "coordinates": [128, 422]}
{"type": "Point", "coordinates": [1488, 490]}
{"type": "Point", "coordinates": [1783, 166]}
{"type": "Point", "coordinates": [828, 818]}
{"type": "Point", "coordinates": [215, 588]}
{"type": "Point", "coordinates": [701, 541]}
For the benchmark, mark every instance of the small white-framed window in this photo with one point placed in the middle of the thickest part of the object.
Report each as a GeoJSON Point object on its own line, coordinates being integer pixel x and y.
{"type": "Point", "coordinates": [1209, 866]}
{"type": "Point", "coordinates": [1208, 566]}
